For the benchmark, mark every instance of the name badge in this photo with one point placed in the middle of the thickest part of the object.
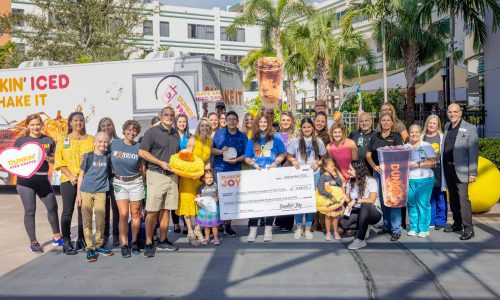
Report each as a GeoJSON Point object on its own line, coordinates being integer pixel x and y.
{"type": "Point", "coordinates": [462, 129]}
{"type": "Point", "coordinates": [66, 143]}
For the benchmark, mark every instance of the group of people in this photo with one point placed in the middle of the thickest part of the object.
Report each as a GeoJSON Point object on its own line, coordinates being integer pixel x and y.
{"type": "Point", "coordinates": [104, 175]}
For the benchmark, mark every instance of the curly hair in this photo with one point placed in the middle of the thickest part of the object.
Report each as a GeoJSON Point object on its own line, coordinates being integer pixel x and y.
{"type": "Point", "coordinates": [135, 125]}
{"type": "Point", "coordinates": [362, 173]}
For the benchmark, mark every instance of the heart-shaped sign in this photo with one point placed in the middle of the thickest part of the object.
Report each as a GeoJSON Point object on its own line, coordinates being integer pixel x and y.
{"type": "Point", "coordinates": [23, 161]}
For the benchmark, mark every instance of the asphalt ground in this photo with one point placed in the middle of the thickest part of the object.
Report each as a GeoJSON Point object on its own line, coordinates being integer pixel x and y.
{"type": "Point", "coordinates": [438, 267]}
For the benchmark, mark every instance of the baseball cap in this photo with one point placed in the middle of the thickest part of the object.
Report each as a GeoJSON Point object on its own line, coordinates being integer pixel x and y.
{"type": "Point", "coordinates": [220, 104]}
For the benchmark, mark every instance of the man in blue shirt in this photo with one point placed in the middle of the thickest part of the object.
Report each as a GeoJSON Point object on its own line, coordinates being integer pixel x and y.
{"type": "Point", "coordinates": [233, 140]}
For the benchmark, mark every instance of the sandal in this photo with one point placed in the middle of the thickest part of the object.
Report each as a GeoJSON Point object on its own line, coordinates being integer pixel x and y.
{"type": "Point", "coordinates": [193, 240]}
{"type": "Point", "coordinates": [336, 236]}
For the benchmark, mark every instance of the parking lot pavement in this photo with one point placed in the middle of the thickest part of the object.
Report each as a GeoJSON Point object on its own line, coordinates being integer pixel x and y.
{"type": "Point", "coordinates": [439, 267]}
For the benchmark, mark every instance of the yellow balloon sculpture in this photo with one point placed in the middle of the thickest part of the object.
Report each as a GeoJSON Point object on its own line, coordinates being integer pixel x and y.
{"type": "Point", "coordinates": [485, 192]}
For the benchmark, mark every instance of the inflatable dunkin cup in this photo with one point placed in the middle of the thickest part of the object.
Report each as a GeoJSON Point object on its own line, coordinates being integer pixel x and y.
{"type": "Point", "coordinates": [394, 162]}
{"type": "Point", "coordinates": [269, 71]}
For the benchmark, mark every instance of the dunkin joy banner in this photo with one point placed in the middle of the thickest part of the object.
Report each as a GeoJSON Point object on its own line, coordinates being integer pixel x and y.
{"type": "Point", "coordinates": [394, 162]}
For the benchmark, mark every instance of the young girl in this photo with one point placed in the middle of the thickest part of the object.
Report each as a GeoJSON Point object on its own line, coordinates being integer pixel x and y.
{"type": "Point", "coordinates": [329, 197]}
{"type": "Point", "coordinates": [205, 218]}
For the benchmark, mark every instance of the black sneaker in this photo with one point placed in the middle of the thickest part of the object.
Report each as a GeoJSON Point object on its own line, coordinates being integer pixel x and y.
{"type": "Point", "coordinates": [437, 227]}
{"type": "Point", "coordinates": [229, 231]}
{"type": "Point", "coordinates": [126, 251]}
{"type": "Point", "coordinates": [395, 236]}
{"type": "Point", "coordinates": [149, 250]}
{"type": "Point", "coordinates": [453, 228]}
{"type": "Point", "coordinates": [135, 248]}
{"type": "Point", "coordinates": [81, 244]}
{"type": "Point", "coordinates": [91, 256]}
{"type": "Point", "coordinates": [166, 245]}
{"type": "Point", "coordinates": [36, 248]}
{"type": "Point", "coordinates": [104, 250]}
{"type": "Point", "coordinates": [69, 248]}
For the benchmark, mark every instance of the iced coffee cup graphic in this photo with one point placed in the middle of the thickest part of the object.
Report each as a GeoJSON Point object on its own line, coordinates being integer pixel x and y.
{"type": "Point", "coordinates": [269, 72]}
{"type": "Point", "coordinates": [394, 162]}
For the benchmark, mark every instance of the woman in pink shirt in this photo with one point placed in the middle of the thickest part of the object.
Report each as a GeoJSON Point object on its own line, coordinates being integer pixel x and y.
{"type": "Point", "coordinates": [341, 149]}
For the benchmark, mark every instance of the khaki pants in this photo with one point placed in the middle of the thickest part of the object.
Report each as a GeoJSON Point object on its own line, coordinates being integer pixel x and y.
{"type": "Point", "coordinates": [95, 203]}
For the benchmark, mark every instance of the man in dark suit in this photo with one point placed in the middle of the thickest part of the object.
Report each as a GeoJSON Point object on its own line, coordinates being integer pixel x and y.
{"type": "Point", "coordinates": [459, 156]}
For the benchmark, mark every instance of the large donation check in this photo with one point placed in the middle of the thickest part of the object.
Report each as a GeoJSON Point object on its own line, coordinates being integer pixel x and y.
{"type": "Point", "coordinates": [261, 193]}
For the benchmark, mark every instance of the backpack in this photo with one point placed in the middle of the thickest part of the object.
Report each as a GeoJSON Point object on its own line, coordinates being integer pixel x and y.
{"type": "Point", "coordinates": [90, 158]}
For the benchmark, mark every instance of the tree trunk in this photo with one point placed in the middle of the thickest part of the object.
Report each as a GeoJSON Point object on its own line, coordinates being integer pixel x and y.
{"type": "Point", "coordinates": [341, 83]}
{"type": "Point", "coordinates": [324, 77]}
{"type": "Point", "coordinates": [384, 58]}
{"type": "Point", "coordinates": [452, 52]}
{"type": "Point", "coordinates": [291, 95]}
{"type": "Point", "coordinates": [410, 55]}
{"type": "Point", "coordinates": [279, 53]}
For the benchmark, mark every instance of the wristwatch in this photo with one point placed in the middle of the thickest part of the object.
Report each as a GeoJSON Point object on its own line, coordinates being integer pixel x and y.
{"type": "Point", "coordinates": [418, 163]}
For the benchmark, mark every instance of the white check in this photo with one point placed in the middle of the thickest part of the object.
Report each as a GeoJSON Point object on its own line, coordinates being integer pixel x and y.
{"type": "Point", "coordinates": [273, 192]}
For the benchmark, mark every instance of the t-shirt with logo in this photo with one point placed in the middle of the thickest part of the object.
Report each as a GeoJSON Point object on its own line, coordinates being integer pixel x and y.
{"type": "Point", "coordinates": [47, 143]}
{"type": "Point", "coordinates": [125, 158]}
{"type": "Point", "coordinates": [206, 190]}
{"type": "Point", "coordinates": [223, 138]}
{"type": "Point", "coordinates": [419, 154]}
{"type": "Point", "coordinates": [96, 178]}
{"type": "Point", "coordinates": [264, 153]}
{"type": "Point", "coordinates": [435, 142]}
{"type": "Point", "coordinates": [311, 156]}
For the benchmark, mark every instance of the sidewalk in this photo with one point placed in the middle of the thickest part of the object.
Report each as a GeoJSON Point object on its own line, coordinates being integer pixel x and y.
{"type": "Point", "coordinates": [440, 267]}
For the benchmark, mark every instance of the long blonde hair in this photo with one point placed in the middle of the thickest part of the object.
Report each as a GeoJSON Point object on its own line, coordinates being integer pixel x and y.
{"type": "Point", "coordinates": [429, 118]}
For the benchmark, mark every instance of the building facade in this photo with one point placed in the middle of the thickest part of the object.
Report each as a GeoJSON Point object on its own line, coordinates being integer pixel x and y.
{"type": "Point", "coordinates": [185, 30]}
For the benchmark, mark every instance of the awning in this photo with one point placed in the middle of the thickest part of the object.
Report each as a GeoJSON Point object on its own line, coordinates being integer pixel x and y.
{"type": "Point", "coordinates": [436, 82]}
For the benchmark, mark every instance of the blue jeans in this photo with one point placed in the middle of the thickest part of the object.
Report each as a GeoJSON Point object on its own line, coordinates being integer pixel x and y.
{"type": "Point", "coordinates": [391, 216]}
{"type": "Point", "coordinates": [309, 217]}
{"type": "Point", "coordinates": [419, 203]}
{"type": "Point", "coordinates": [439, 207]}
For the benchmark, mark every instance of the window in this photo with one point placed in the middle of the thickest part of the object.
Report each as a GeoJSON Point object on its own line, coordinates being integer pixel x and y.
{"type": "Point", "coordinates": [201, 54]}
{"type": "Point", "coordinates": [240, 35]}
{"type": "Point", "coordinates": [147, 27]}
{"type": "Point", "coordinates": [204, 32]}
{"type": "Point", "coordinates": [18, 14]}
{"type": "Point", "coordinates": [21, 48]}
{"type": "Point", "coordinates": [164, 28]}
{"type": "Point", "coordinates": [340, 15]}
{"type": "Point", "coordinates": [234, 59]}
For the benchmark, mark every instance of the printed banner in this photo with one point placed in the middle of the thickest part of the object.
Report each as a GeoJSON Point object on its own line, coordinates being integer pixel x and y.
{"type": "Point", "coordinates": [23, 161]}
{"type": "Point", "coordinates": [394, 162]}
{"type": "Point", "coordinates": [209, 96]}
{"type": "Point", "coordinates": [273, 192]}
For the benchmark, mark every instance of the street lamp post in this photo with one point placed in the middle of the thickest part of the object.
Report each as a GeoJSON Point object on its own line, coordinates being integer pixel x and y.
{"type": "Point", "coordinates": [444, 75]}
{"type": "Point", "coordinates": [448, 91]}
{"type": "Point", "coordinates": [315, 80]}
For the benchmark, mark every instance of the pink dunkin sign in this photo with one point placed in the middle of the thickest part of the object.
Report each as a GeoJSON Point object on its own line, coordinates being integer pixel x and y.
{"type": "Point", "coordinates": [24, 161]}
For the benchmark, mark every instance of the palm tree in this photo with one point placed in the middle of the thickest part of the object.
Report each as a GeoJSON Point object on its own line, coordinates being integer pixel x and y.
{"type": "Point", "coordinates": [320, 41]}
{"type": "Point", "coordinates": [348, 48]}
{"type": "Point", "coordinates": [372, 10]}
{"type": "Point", "coordinates": [473, 13]}
{"type": "Point", "coordinates": [412, 43]}
{"type": "Point", "coordinates": [272, 19]}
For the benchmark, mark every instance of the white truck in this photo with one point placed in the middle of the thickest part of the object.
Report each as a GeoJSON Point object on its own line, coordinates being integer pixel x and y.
{"type": "Point", "coordinates": [121, 90]}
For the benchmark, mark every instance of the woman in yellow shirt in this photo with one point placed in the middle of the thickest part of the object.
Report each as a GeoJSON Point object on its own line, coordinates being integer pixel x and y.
{"type": "Point", "coordinates": [68, 157]}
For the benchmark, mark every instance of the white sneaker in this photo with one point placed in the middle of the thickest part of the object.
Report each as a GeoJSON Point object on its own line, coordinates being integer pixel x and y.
{"type": "Point", "coordinates": [252, 235]}
{"type": "Point", "coordinates": [268, 234]}
{"type": "Point", "coordinates": [412, 233]}
{"type": "Point", "coordinates": [423, 234]}
{"type": "Point", "coordinates": [356, 244]}
{"type": "Point", "coordinates": [308, 234]}
{"type": "Point", "coordinates": [298, 234]}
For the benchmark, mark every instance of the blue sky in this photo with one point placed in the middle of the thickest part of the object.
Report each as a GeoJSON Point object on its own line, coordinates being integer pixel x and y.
{"type": "Point", "coordinates": [205, 3]}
